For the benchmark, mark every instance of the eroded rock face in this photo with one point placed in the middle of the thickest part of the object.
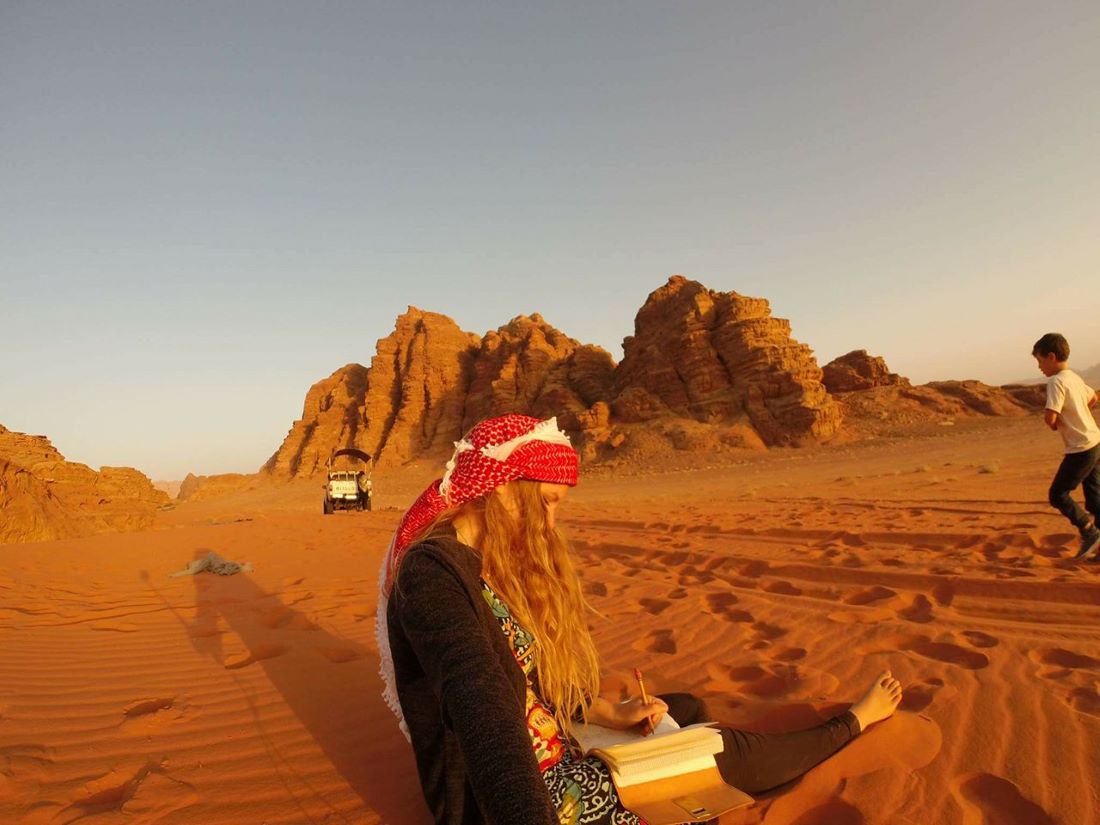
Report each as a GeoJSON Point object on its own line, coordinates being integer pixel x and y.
{"type": "Point", "coordinates": [26, 450]}
{"type": "Point", "coordinates": [429, 382]}
{"type": "Point", "coordinates": [529, 366]}
{"type": "Point", "coordinates": [409, 402]}
{"type": "Point", "coordinates": [718, 357]}
{"type": "Point", "coordinates": [859, 370]}
{"type": "Point", "coordinates": [417, 387]}
{"type": "Point", "coordinates": [30, 512]}
{"type": "Point", "coordinates": [331, 418]}
{"type": "Point", "coordinates": [43, 497]}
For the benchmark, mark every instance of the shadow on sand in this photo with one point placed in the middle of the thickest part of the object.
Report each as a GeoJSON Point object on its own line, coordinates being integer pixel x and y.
{"type": "Point", "coordinates": [331, 685]}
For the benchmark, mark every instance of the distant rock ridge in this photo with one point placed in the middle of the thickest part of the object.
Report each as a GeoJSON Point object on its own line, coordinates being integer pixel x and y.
{"type": "Point", "coordinates": [875, 399]}
{"type": "Point", "coordinates": [44, 497]}
{"type": "Point", "coordinates": [715, 358]}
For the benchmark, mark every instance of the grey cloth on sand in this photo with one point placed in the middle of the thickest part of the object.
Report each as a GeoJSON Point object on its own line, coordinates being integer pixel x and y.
{"type": "Point", "coordinates": [213, 563]}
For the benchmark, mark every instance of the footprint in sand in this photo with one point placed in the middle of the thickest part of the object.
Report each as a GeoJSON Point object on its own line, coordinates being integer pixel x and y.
{"type": "Point", "coordinates": [147, 792]}
{"type": "Point", "coordinates": [678, 593]}
{"type": "Point", "coordinates": [1059, 663]}
{"type": "Point", "coordinates": [988, 798]}
{"type": "Point", "coordinates": [145, 716]}
{"type": "Point", "coordinates": [340, 654]}
{"type": "Point", "coordinates": [943, 593]}
{"type": "Point", "coordinates": [657, 641]}
{"type": "Point", "coordinates": [948, 652]}
{"type": "Point", "coordinates": [205, 630]}
{"type": "Point", "coordinates": [1084, 700]}
{"type": "Point", "coordinates": [1057, 657]}
{"type": "Point", "coordinates": [869, 595]}
{"type": "Point", "coordinates": [789, 654]}
{"type": "Point", "coordinates": [917, 697]}
{"type": "Point", "coordinates": [763, 630]}
{"type": "Point", "coordinates": [244, 658]}
{"type": "Point", "coordinates": [979, 639]}
{"type": "Point", "coordinates": [691, 575]}
{"type": "Point", "coordinates": [24, 769]}
{"type": "Point", "coordinates": [721, 605]}
{"type": "Point", "coordinates": [143, 707]}
{"type": "Point", "coordinates": [783, 588]}
{"type": "Point", "coordinates": [771, 681]}
{"type": "Point", "coordinates": [754, 569]}
{"type": "Point", "coordinates": [919, 610]}
{"type": "Point", "coordinates": [654, 606]}
{"type": "Point", "coordinates": [273, 616]}
{"type": "Point", "coordinates": [595, 589]}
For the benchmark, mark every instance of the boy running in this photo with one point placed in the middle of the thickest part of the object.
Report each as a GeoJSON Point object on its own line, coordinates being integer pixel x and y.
{"type": "Point", "coordinates": [1068, 411]}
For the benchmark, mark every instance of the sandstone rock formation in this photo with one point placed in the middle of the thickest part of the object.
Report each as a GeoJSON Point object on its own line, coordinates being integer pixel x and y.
{"type": "Point", "coordinates": [704, 372]}
{"type": "Point", "coordinates": [859, 371]}
{"type": "Point", "coordinates": [29, 511]}
{"type": "Point", "coordinates": [410, 401]}
{"type": "Point", "coordinates": [44, 497]}
{"type": "Point", "coordinates": [529, 366]}
{"type": "Point", "coordinates": [200, 488]}
{"type": "Point", "coordinates": [429, 382]}
{"type": "Point", "coordinates": [876, 400]}
{"type": "Point", "coordinates": [717, 358]}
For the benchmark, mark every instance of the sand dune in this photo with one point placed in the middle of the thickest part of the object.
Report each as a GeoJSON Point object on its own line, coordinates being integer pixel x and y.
{"type": "Point", "coordinates": [775, 588]}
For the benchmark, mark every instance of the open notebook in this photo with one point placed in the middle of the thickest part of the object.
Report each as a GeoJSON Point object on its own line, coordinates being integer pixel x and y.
{"type": "Point", "coordinates": [667, 777]}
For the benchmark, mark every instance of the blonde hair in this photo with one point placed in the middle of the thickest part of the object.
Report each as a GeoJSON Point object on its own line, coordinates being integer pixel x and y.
{"type": "Point", "coordinates": [528, 564]}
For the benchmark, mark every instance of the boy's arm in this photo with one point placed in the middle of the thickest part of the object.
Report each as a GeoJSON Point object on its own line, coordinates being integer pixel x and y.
{"type": "Point", "coordinates": [1050, 418]}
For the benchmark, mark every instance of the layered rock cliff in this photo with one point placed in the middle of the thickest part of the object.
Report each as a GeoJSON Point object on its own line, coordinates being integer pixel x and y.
{"type": "Point", "coordinates": [429, 382]}
{"type": "Point", "coordinates": [719, 357]}
{"type": "Point", "coordinates": [44, 497]}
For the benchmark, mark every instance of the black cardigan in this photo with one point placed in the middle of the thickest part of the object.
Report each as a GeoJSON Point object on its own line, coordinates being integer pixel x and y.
{"type": "Point", "coordinates": [462, 693]}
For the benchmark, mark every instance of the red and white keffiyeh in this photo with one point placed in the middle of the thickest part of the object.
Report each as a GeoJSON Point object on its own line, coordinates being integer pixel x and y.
{"type": "Point", "coordinates": [494, 452]}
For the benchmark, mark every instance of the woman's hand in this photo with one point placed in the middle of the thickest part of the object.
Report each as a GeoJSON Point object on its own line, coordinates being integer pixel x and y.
{"type": "Point", "coordinates": [628, 714]}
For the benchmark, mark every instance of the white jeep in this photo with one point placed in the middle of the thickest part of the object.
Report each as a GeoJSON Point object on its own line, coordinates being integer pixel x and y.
{"type": "Point", "coordinates": [348, 489]}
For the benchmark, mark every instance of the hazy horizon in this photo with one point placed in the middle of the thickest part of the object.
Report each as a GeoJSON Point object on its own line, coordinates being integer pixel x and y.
{"type": "Point", "coordinates": [210, 207]}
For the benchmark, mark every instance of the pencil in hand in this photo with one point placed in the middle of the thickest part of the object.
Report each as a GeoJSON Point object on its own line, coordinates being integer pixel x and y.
{"type": "Point", "coordinates": [641, 686]}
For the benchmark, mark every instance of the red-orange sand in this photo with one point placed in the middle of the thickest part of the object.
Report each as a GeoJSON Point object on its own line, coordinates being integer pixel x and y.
{"type": "Point", "coordinates": [775, 588]}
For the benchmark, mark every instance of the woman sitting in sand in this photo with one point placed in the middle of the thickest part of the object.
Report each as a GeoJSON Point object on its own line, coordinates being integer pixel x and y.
{"type": "Point", "coordinates": [489, 662]}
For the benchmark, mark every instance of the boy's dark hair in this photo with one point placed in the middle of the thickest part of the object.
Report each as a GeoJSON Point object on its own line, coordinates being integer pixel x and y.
{"type": "Point", "coordinates": [1052, 342]}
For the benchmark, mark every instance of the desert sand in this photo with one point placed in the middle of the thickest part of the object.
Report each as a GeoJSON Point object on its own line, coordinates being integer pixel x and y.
{"type": "Point", "coordinates": [775, 585]}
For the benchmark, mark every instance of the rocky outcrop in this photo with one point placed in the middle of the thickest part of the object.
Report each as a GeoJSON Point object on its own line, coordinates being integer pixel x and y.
{"type": "Point", "coordinates": [411, 400]}
{"type": "Point", "coordinates": [26, 450]}
{"type": "Point", "coordinates": [201, 488]}
{"type": "Point", "coordinates": [43, 497]}
{"type": "Point", "coordinates": [963, 397]}
{"type": "Point", "coordinates": [529, 366]}
{"type": "Point", "coordinates": [859, 371]}
{"type": "Point", "coordinates": [30, 512]}
{"type": "Point", "coordinates": [718, 358]}
{"type": "Point", "coordinates": [330, 419]}
{"type": "Point", "coordinates": [429, 382]}
{"type": "Point", "coordinates": [417, 387]}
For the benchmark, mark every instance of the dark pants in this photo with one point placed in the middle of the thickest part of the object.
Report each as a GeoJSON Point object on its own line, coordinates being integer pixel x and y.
{"type": "Point", "coordinates": [1078, 469]}
{"type": "Point", "coordinates": [756, 762]}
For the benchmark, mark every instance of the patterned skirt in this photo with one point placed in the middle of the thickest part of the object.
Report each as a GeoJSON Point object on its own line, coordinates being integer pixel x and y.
{"type": "Point", "coordinates": [582, 793]}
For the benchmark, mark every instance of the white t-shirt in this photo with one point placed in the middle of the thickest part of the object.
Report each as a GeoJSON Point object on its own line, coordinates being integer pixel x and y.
{"type": "Point", "coordinates": [1069, 396]}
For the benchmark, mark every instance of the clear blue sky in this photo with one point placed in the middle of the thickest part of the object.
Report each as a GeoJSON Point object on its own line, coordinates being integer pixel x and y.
{"type": "Point", "coordinates": [205, 207]}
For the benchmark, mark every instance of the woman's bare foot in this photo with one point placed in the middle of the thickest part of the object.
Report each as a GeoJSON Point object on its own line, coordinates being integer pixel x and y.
{"type": "Point", "coordinates": [879, 702]}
